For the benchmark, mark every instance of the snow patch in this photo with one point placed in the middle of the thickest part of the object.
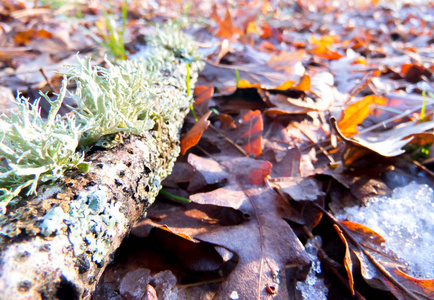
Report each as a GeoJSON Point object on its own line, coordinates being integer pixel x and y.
{"type": "Point", "coordinates": [406, 221]}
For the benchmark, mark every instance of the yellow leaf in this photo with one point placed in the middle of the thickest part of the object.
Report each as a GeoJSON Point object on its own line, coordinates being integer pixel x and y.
{"type": "Point", "coordinates": [357, 112]}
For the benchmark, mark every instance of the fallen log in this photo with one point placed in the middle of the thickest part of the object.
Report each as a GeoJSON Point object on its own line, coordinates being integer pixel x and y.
{"type": "Point", "coordinates": [56, 243]}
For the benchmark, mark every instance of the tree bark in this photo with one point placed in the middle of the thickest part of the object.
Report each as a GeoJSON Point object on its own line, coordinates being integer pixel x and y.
{"type": "Point", "coordinates": [69, 261]}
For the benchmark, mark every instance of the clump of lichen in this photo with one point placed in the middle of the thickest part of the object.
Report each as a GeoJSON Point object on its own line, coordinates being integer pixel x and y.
{"type": "Point", "coordinates": [35, 150]}
{"type": "Point", "coordinates": [128, 97]}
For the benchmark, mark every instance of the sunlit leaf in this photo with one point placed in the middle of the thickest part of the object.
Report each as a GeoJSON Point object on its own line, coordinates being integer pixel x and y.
{"type": "Point", "coordinates": [252, 121]}
{"type": "Point", "coordinates": [182, 235]}
{"type": "Point", "coordinates": [388, 143]}
{"type": "Point", "coordinates": [193, 136]}
{"type": "Point", "coordinates": [348, 263]}
{"type": "Point", "coordinates": [286, 85]}
{"type": "Point", "coordinates": [357, 112]}
{"type": "Point", "coordinates": [363, 231]}
{"type": "Point", "coordinates": [226, 27]}
{"type": "Point", "coordinates": [304, 84]}
{"type": "Point", "coordinates": [244, 84]}
{"type": "Point", "coordinates": [252, 28]}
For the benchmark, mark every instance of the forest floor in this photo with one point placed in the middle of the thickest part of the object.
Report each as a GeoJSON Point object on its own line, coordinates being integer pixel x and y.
{"type": "Point", "coordinates": [307, 159]}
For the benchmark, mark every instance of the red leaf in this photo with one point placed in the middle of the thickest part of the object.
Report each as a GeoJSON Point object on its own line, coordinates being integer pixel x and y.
{"type": "Point", "coordinates": [252, 121]}
{"type": "Point", "coordinates": [202, 93]}
{"type": "Point", "coordinates": [193, 136]}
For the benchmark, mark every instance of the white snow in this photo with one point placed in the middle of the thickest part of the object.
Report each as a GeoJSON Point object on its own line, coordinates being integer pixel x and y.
{"type": "Point", "coordinates": [313, 288]}
{"type": "Point", "coordinates": [406, 221]}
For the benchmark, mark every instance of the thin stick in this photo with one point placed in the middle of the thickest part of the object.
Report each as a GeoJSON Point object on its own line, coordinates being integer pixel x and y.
{"type": "Point", "coordinates": [42, 70]}
{"type": "Point", "coordinates": [330, 158]}
{"type": "Point", "coordinates": [230, 141]}
{"type": "Point", "coordinates": [419, 165]}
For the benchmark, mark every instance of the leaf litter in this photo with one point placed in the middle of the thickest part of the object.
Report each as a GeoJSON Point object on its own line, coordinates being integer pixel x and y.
{"type": "Point", "coordinates": [325, 119]}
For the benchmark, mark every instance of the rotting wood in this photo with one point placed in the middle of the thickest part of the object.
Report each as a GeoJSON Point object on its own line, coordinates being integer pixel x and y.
{"type": "Point", "coordinates": [56, 245]}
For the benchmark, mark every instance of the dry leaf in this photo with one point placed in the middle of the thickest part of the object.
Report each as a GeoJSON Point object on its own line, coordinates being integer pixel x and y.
{"type": "Point", "coordinates": [193, 136]}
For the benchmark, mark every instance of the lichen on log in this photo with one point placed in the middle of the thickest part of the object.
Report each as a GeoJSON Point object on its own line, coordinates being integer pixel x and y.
{"type": "Point", "coordinates": [56, 242]}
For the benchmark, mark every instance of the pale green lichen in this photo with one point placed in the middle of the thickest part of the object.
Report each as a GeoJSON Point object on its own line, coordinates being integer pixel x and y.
{"type": "Point", "coordinates": [128, 97]}
{"type": "Point", "coordinates": [91, 222]}
{"type": "Point", "coordinates": [53, 221]}
{"type": "Point", "coordinates": [35, 150]}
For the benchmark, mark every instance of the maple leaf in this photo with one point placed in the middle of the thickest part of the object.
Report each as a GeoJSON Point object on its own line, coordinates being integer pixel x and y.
{"type": "Point", "coordinates": [226, 27]}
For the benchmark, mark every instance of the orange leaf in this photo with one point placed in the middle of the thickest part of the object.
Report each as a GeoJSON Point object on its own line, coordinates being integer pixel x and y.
{"type": "Point", "coordinates": [360, 61]}
{"type": "Point", "coordinates": [324, 41]}
{"type": "Point", "coordinates": [326, 53]}
{"type": "Point", "coordinates": [226, 27]}
{"type": "Point", "coordinates": [425, 286]}
{"type": "Point", "coordinates": [184, 236]}
{"type": "Point", "coordinates": [357, 112]}
{"type": "Point", "coordinates": [266, 46]}
{"type": "Point", "coordinates": [24, 37]}
{"type": "Point", "coordinates": [363, 231]}
{"type": "Point", "coordinates": [304, 84]}
{"type": "Point", "coordinates": [323, 45]}
{"type": "Point", "coordinates": [193, 136]}
{"type": "Point", "coordinates": [286, 85]}
{"type": "Point", "coordinates": [347, 259]}
{"type": "Point", "coordinates": [43, 34]}
{"type": "Point", "coordinates": [252, 28]}
{"type": "Point", "coordinates": [244, 84]}
{"type": "Point", "coordinates": [202, 93]}
{"type": "Point", "coordinates": [254, 132]}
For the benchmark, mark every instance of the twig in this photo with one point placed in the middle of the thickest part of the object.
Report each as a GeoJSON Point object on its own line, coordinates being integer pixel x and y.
{"type": "Point", "coordinates": [230, 141]}
{"type": "Point", "coordinates": [42, 70]}
{"type": "Point", "coordinates": [419, 165]}
{"type": "Point", "coordinates": [324, 151]}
